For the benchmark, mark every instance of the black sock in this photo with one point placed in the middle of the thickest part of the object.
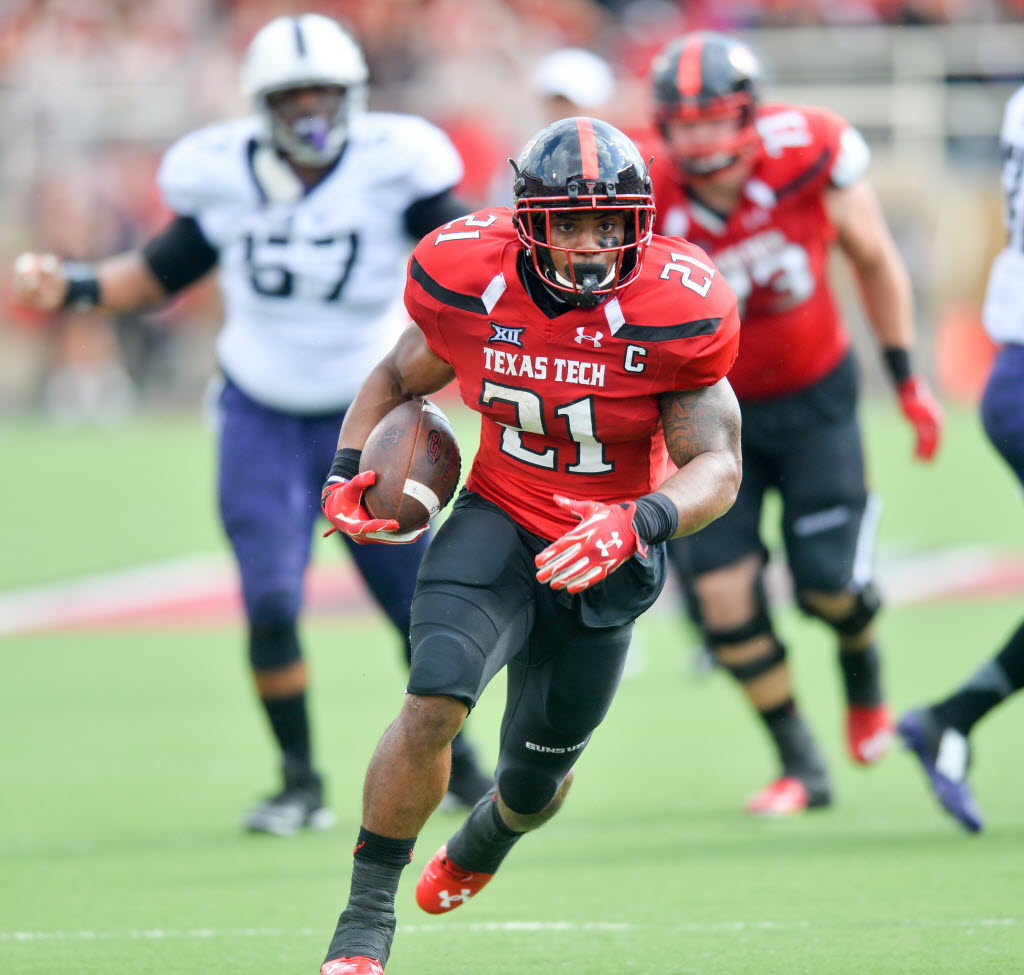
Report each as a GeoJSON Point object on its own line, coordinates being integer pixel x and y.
{"type": "Point", "coordinates": [367, 925]}
{"type": "Point", "coordinates": [289, 720]}
{"type": "Point", "coordinates": [793, 741]}
{"type": "Point", "coordinates": [483, 840]}
{"type": "Point", "coordinates": [991, 683]}
{"type": "Point", "coordinates": [1011, 659]}
{"type": "Point", "coordinates": [862, 675]}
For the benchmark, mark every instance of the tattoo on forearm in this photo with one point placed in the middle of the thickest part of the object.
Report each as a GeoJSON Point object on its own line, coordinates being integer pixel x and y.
{"type": "Point", "coordinates": [698, 421]}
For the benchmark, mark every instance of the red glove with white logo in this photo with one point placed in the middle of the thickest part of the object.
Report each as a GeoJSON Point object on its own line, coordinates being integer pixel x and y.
{"type": "Point", "coordinates": [342, 503]}
{"type": "Point", "coordinates": [592, 550]}
{"type": "Point", "coordinates": [924, 413]}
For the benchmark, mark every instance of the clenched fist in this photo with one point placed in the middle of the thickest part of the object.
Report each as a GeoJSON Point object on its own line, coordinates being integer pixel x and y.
{"type": "Point", "coordinates": [38, 282]}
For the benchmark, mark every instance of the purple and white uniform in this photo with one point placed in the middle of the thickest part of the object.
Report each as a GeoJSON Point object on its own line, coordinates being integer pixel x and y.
{"type": "Point", "coordinates": [1002, 407]}
{"type": "Point", "coordinates": [311, 284]}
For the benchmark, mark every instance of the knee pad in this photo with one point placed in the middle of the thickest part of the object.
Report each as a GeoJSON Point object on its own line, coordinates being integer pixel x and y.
{"type": "Point", "coordinates": [751, 669]}
{"type": "Point", "coordinates": [273, 646]}
{"type": "Point", "coordinates": [758, 624]}
{"type": "Point", "coordinates": [866, 604]}
{"type": "Point", "coordinates": [528, 789]}
{"type": "Point", "coordinates": [445, 663]}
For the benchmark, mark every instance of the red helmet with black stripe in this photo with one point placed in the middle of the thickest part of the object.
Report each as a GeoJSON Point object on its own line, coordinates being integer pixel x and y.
{"type": "Point", "coordinates": [707, 77]}
{"type": "Point", "coordinates": [577, 165]}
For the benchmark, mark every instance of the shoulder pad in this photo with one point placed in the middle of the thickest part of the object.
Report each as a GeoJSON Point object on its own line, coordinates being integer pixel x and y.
{"type": "Point", "coordinates": [420, 150]}
{"type": "Point", "coordinates": [800, 146]}
{"type": "Point", "coordinates": [206, 167]}
{"type": "Point", "coordinates": [463, 257]}
{"type": "Point", "coordinates": [680, 282]}
{"type": "Point", "coordinates": [852, 159]}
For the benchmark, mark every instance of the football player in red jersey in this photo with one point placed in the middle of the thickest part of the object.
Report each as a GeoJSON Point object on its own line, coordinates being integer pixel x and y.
{"type": "Point", "coordinates": [766, 190]}
{"type": "Point", "coordinates": [595, 354]}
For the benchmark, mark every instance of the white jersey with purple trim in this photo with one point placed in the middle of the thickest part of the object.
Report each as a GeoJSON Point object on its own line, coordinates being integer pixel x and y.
{"type": "Point", "coordinates": [312, 281]}
{"type": "Point", "coordinates": [1003, 312]}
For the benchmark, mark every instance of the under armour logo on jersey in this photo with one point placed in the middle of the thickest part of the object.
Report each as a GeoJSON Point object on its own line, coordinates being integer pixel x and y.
{"type": "Point", "coordinates": [581, 334]}
{"type": "Point", "coordinates": [449, 900]}
{"type": "Point", "coordinates": [499, 333]}
{"type": "Point", "coordinates": [606, 546]}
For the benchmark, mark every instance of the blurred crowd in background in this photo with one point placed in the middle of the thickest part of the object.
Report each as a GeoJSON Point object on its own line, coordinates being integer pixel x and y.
{"type": "Point", "coordinates": [93, 91]}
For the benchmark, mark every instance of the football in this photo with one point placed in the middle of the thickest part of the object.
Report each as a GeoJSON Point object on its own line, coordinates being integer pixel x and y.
{"type": "Point", "coordinates": [416, 457]}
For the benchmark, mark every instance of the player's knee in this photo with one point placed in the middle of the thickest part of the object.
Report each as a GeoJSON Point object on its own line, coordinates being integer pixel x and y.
{"type": "Point", "coordinates": [755, 659]}
{"type": "Point", "coordinates": [722, 639]}
{"type": "Point", "coordinates": [429, 722]}
{"type": "Point", "coordinates": [271, 607]}
{"type": "Point", "coordinates": [733, 593]}
{"type": "Point", "coordinates": [445, 662]}
{"type": "Point", "coordinates": [848, 613]}
{"type": "Point", "coordinates": [750, 649]}
{"type": "Point", "coordinates": [273, 645]}
{"type": "Point", "coordinates": [529, 791]}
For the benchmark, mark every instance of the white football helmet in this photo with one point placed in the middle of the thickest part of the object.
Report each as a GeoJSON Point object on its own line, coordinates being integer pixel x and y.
{"type": "Point", "coordinates": [293, 52]}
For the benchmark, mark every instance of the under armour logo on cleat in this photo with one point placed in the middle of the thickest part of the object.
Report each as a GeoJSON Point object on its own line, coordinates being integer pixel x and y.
{"type": "Point", "coordinates": [450, 900]}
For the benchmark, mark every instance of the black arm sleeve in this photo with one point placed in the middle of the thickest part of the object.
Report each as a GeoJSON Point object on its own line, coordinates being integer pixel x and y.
{"type": "Point", "coordinates": [179, 254]}
{"type": "Point", "coordinates": [428, 214]}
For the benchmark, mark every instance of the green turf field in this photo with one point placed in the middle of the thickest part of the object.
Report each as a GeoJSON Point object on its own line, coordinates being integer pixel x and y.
{"type": "Point", "coordinates": [128, 755]}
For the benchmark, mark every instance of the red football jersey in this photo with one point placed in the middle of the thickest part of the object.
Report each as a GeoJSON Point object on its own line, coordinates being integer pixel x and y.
{"type": "Point", "coordinates": [568, 405]}
{"type": "Point", "coordinates": [774, 247]}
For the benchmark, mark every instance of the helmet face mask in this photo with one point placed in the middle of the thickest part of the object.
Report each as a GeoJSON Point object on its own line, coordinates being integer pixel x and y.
{"type": "Point", "coordinates": [308, 123]}
{"type": "Point", "coordinates": [301, 56]}
{"type": "Point", "coordinates": [705, 89]}
{"type": "Point", "coordinates": [710, 142]}
{"type": "Point", "coordinates": [583, 209]}
{"type": "Point", "coordinates": [580, 274]}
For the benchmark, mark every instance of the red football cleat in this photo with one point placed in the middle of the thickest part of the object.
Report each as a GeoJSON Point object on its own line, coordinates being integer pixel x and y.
{"type": "Point", "coordinates": [790, 795]}
{"type": "Point", "coordinates": [359, 965]}
{"type": "Point", "coordinates": [783, 797]}
{"type": "Point", "coordinates": [444, 885]}
{"type": "Point", "coordinates": [869, 732]}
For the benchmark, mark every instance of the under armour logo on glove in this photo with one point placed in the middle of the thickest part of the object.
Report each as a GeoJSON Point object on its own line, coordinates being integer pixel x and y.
{"type": "Point", "coordinates": [592, 550]}
{"type": "Point", "coordinates": [606, 547]}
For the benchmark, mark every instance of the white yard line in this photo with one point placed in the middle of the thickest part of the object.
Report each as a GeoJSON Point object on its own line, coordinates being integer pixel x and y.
{"type": "Point", "coordinates": [509, 927]}
{"type": "Point", "coordinates": [82, 601]}
{"type": "Point", "coordinates": [211, 580]}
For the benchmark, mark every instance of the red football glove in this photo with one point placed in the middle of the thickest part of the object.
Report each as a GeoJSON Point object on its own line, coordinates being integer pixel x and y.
{"type": "Point", "coordinates": [342, 502]}
{"type": "Point", "coordinates": [592, 550]}
{"type": "Point", "coordinates": [922, 410]}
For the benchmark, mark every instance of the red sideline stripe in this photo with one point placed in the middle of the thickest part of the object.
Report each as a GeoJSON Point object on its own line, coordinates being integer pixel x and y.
{"type": "Point", "coordinates": [688, 72]}
{"type": "Point", "coordinates": [588, 148]}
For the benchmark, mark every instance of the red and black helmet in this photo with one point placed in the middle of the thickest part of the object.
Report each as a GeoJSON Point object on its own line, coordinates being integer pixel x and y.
{"type": "Point", "coordinates": [578, 165]}
{"type": "Point", "coordinates": [707, 76]}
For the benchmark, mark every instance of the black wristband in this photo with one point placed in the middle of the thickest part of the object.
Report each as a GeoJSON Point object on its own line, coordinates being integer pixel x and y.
{"type": "Point", "coordinates": [83, 285]}
{"type": "Point", "coordinates": [656, 519]}
{"type": "Point", "coordinates": [897, 363]}
{"type": "Point", "coordinates": [346, 464]}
